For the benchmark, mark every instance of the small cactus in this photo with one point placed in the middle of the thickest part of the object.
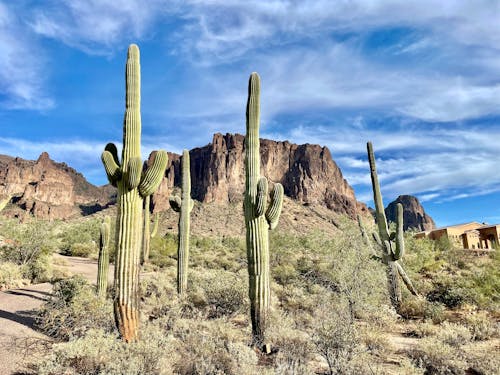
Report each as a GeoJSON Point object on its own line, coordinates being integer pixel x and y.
{"type": "Point", "coordinates": [259, 218]}
{"type": "Point", "coordinates": [148, 234]}
{"type": "Point", "coordinates": [133, 186]}
{"type": "Point", "coordinates": [183, 205]}
{"type": "Point", "coordinates": [392, 245]}
{"type": "Point", "coordinates": [103, 261]}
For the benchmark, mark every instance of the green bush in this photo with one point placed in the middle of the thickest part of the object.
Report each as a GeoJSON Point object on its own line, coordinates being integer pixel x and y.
{"type": "Point", "coordinates": [74, 309]}
{"type": "Point", "coordinates": [437, 357]}
{"type": "Point", "coordinates": [219, 293]}
{"type": "Point", "coordinates": [99, 352]}
{"type": "Point", "coordinates": [481, 326]}
{"type": "Point", "coordinates": [11, 276]}
{"type": "Point", "coordinates": [30, 246]}
{"type": "Point", "coordinates": [80, 238]}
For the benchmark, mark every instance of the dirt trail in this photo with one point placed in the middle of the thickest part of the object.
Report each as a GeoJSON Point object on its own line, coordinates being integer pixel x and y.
{"type": "Point", "coordinates": [17, 308]}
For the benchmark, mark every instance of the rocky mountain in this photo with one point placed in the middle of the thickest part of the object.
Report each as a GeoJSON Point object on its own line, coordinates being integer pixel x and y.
{"type": "Point", "coordinates": [48, 189]}
{"type": "Point", "coordinates": [414, 215]}
{"type": "Point", "coordinates": [308, 174]}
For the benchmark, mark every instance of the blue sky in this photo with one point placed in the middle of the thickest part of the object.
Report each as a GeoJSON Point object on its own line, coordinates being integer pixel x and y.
{"type": "Point", "coordinates": [420, 79]}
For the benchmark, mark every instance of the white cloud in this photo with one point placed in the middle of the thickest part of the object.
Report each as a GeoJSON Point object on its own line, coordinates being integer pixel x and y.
{"type": "Point", "coordinates": [22, 81]}
{"type": "Point", "coordinates": [96, 26]}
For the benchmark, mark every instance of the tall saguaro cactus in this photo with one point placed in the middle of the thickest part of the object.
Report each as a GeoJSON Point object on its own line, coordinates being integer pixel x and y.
{"type": "Point", "coordinates": [392, 245]}
{"type": "Point", "coordinates": [103, 261]}
{"type": "Point", "coordinates": [259, 218]}
{"type": "Point", "coordinates": [183, 204]}
{"type": "Point", "coordinates": [133, 186]}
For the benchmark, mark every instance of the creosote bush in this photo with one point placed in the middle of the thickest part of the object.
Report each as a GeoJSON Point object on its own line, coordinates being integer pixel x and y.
{"type": "Point", "coordinates": [73, 309]}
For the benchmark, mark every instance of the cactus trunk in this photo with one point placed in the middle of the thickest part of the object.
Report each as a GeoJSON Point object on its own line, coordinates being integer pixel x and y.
{"type": "Point", "coordinates": [183, 205]}
{"type": "Point", "coordinates": [133, 186]}
{"type": "Point", "coordinates": [258, 221]}
{"type": "Point", "coordinates": [146, 238]}
{"type": "Point", "coordinates": [103, 261]}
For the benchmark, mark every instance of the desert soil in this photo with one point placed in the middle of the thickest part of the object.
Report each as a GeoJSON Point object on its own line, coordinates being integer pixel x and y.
{"type": "Point", "coordinates": [18, 340]}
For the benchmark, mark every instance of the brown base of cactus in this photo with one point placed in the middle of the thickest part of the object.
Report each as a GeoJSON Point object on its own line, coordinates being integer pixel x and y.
{"type": "Point", "coordinates": [127, 321]}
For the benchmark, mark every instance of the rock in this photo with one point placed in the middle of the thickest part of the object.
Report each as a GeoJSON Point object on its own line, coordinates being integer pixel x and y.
{"type": "Point", "coordinates": [49, 190]}
{"type": "Point", "coordinates": [414, 215]}
{"type": "Point", "coordinates": [307, 172]}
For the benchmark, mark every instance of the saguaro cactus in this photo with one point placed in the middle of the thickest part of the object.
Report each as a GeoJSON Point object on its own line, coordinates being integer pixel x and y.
{"type": "Point", "coordinates": [133, 186]}
{"type": "Point", "coordinates": [103, 261]}
{"type": "Point", "coordinates": [183, 204]}
{"type": "Point", "coordinates": [392, 245]}
{"type": "Point", "coordinates": [148, 234]}
{"type": "Point", "coordinates": [258, 219]}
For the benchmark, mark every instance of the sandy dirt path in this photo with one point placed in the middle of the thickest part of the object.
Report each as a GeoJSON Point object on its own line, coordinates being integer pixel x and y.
{"type": "Point", "coordinates": [18, 339]}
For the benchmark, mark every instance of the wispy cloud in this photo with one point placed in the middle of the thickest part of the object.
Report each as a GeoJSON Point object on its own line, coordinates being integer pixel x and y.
{"type": "Point", "coordinates": [22, 84]}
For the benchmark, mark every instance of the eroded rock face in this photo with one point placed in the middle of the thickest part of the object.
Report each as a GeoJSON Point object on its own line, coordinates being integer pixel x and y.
{"type": "Point", "coordinates": [414, 215]}
{"type": "Point", "coordinates": [48, 189]}
{"type": "Point", "coordinates": [307, 172]}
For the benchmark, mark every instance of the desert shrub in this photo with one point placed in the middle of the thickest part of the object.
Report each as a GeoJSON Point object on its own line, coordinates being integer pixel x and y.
{"type": "Point", "coordinates": [336, 338]}
{"type": "Point", "coordinates": [423, 329]}
{"type": "Point", "coordinates": [481, 326]}
{"type": "Point", "coordinates": [163, 250]}
{"type": "Point", "coordinates": [30, 247]}
{"type": "Point", "coordinates": [293, 347]}
{"type": "Point", "coordinates": [375, 340]}
{"type": "Point", "coordinates": [80, 237]}
{"type": "Point", "coordinates": [484, 363]}
{"type": "Point", "coordinates": [449, 294]}
{"type": "Point", "coordinates": [99, 352]}
{"type": "Point", "coordinates": [11, 276]}
{"type": "Point", "coordinates": [213, 347]}
{"type": "Point", "coordinates": [435, 311]}
{"type": "Point", "coordinates": [454, 334]}
{"type": "Point", "coordinates": [218, 292]}
{"type": "Point", "coordinates": [73, 309]}
{"type": "Point", "coordinates": [437, 357]}
{"type": "Point", "coordinates": [85, 250]}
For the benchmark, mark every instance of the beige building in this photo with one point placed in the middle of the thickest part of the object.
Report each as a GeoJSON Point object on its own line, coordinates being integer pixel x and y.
{"type": "Point", "coordinates": [471, 235]}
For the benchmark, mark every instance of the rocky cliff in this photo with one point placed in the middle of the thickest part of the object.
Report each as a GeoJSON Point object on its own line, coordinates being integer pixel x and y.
{"type": "Point", "coordinates": [307, 172]}
{"type": "Point", "coordinates": [414, 215]}
{"type": "Point", "coordinates": [48, 189]}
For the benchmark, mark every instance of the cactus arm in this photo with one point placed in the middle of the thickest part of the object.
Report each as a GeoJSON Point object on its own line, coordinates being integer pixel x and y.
{"type": "Point", "coordinates": [113, 171]}
{"type": "Point", "coordinates": [134, 171]}
{"type": "Point", "coordinates": [154, 174]}
{"type": "Point", "coordinates": [274, 211]}
{"type": "Point", "coordinates": [400, 242]}
{"type": "Point", "coordinates": [377, 240]}
{"type": "Point", "coordinates": [191, 205]}
{"type": "Point", "coordinates": [111, 148]}
{"type": "Point", "coordinates": [377, 196]}
{"type": "Point", "coordinates": [261, 198]}
{"type": "Point", "coordinates": [406, 279]}
{"type": "Point", "coordinates": [175, 203]}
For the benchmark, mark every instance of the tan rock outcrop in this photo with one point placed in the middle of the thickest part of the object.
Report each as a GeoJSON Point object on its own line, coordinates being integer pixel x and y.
{"type": "Point", "coordinates": [307, 172]}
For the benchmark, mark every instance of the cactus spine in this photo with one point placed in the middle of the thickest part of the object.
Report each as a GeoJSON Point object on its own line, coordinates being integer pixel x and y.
{"type": "Point", "coordinates": [258, 220]}
{"type": "Point", "coordinates": [183, 205]}
{"type": "Point", "coordinates": [133, 186]}
{"type": "Point", "coordinates": [392, 245]}
{"type": "Point", "coordinates": [103, 262]}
